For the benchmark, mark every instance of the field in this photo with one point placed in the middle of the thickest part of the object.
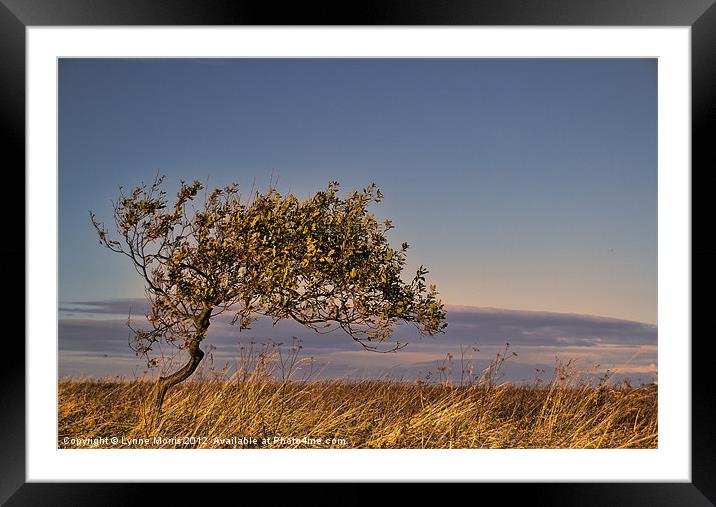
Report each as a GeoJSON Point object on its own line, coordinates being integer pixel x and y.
{"type": "Point", "coordinates": [255, 407]}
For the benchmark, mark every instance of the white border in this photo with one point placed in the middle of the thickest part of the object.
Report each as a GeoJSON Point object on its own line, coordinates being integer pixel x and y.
{"type": "Point", "coordinates": [670, 462]}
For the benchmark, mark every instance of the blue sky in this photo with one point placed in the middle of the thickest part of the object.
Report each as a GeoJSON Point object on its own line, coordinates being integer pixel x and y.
{"type": "Point", "coordinates": [528, 185]}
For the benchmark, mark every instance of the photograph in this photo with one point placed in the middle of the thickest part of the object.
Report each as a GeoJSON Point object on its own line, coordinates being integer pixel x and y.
{"type": "Point", "coordinates": [347, 253]}
{"type": "Point", "coordinates": [432, 244]}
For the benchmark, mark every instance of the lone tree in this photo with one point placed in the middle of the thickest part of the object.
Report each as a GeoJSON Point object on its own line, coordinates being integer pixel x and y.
{"type": "Point", "coordinates": [324, 262]}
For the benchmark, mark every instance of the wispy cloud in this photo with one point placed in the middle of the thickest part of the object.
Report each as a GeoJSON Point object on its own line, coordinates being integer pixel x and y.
{"type": "Point", "coordinates": [98, 329]}
{"type": "Point", "coordinates": [136, 306]}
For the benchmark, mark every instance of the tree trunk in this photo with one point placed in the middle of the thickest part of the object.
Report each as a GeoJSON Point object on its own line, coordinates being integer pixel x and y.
{"type": "Point", "coordinates": [195, 357]}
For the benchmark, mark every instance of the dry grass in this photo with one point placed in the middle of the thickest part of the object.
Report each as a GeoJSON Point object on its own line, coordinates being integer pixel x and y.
{"type": "Point", "coordinates": [262, 401]}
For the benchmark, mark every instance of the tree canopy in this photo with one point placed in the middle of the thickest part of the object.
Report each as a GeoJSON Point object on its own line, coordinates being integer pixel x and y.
{"type": "Point", "coordinates": [324, 261]}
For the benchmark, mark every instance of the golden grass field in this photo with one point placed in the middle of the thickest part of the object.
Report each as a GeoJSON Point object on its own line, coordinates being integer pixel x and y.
{"type": "Point", "coordinates": [253, 408]}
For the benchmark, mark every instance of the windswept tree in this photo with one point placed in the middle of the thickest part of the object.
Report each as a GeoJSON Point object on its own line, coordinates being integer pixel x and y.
{"type": "Point", "coordinates": [324, 262]}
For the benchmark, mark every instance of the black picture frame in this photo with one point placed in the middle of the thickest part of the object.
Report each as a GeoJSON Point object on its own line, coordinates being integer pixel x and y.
{"type": "Point", "coordinates": [700, 15]}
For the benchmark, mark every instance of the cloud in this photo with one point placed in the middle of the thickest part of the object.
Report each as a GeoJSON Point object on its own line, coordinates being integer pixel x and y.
{"type": "Point", "coordinates": [98, 328]}
{"type": "Point", "coordinates": [137, 306]}
{"type": "Point", "coordinates": [493, 325]}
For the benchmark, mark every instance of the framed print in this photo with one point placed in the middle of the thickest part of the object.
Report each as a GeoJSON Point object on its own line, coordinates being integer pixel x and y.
{"type": "Point", "coordinates": [419, 248]}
